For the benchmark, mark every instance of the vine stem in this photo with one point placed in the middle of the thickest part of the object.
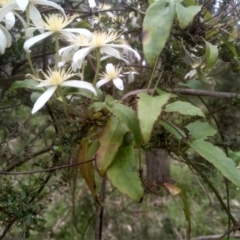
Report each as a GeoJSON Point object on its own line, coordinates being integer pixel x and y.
{"type": "Point", "coordinates": [98, 67]}
{"type": "Point", "coordinates": [217, 194]}
{"type": "Point", "coordinates": [56, 49]}
{"type": "Point", "coordinates": [28, 53]}
{"type": "Point", "coordinates": [152, 76]}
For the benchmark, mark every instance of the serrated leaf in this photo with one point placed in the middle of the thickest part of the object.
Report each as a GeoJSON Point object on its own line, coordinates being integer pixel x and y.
{"type": "Point", "coordinates": [149, 108]}
{"type": "Point", "coordinates": [157, 25]}
{"type": "Point", "coordinates": [174, 130]}
{"type": "Point", "coordinates": [28, 83]}
{"type": "Point", "coordinates": [200, 130]}
{"type": "Point", "coordinates": [218, 158]}
{"type": "Point", "coordinates": [211, 54]}
{"type": "Point", "coordinates": [184, 108]}
{"type": "Point", "coordinates": [124, 175]}
{"type": "Point", "coordinates": [110, 140]}
{"type": "Point", "coordinates": [127, 115]}
{"type": "Point", "coordinates": [86, 169]}
{"type": "Point", "coordinates": [185, 15]}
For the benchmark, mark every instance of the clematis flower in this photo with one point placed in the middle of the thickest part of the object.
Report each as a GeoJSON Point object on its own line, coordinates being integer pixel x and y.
{"type": "Point", "coordinates": [5, 39]}
{"type": "Point", "coordinates": [98, 40]}
{"type": "Point", "coordinates": [55, 79]}
{"type": "Point", "coordinates": [54, 23]}
{"type": "Point", "coordinates": [111, 74]}
{"type": "Point", "coordinates": [92, 3]}
{"type": "Point", "coordinates": [8, 6]}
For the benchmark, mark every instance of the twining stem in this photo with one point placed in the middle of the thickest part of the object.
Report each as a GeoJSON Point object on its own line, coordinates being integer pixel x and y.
{"type": "Point", "coordinates": [28, 53]}
{"type": "Point", "coordinates": [56, 49]}
{"type": "Point", "coordinates": [64, 101]}
{"type": "Point", "coordinates": [152, 76]}
{"type": "Point", "coordinates": [97, 68]}
{"type": "Point", "coordinates": [217, 194]}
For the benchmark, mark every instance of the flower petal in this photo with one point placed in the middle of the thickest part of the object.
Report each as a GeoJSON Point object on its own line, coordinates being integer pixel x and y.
{"type": "Point", "coordinates": [7, 37]}
{"type": "Point", "coordinates": [33, 40]}
{"type": "Point", "coordinates": [10, 20]}
{"type": "Point", "coordinates": [82, 31]}
{"type": "Point", "coordinates": [22, 4]}
{"type": "Point", "coordinates": [49, 3]}
{"type": "Point", "coordinates": [35, 15]}
{"type": "Point", "coordinates": [81, 54]}
{"type": "Point", "coordinates": [43, 99]}
{"type": "Point", "coordinates": [111, 52]}
{"type": "Point", "coordinates": [6, 9]}
{"type": "Point", "coordinates": [101, 82]}
{"type": "Point", "coordinates": [80, 84]}
{"type": "Point", "coordinates": [126, 47]}
{"type": "Point", "coordinates": [118, 83]}
{"type": "Point", "coordinates": [92, 3]}
{"type": "Point", "coordinates": [44, 84]}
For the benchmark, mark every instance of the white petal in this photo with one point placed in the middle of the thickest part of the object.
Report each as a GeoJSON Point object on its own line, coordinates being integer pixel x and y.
{"type": "Point", "coordinates": [81, 54]}
{"type": "Point", "coordinates": [82, 31]}
{"type": "Point", "coordinates": [49, 3]}
{"type": "Point", "coordinates": [6, 9]}
{"type": "Point", "coordinates": [111, 52]}
{"type": "Point", "coordinates": [110, 67]}
{"type": "Point", "coordinates": [21, 19]}
{"type": "Point", "coordinates": [10, 20]}
{"type": "Point", "coordinates": [44, 84]}
{"type": "Point", "coordinates": [3, 42]}
{"type": "Point", "coordinates": [126, 47]}
{"type": "Point", "coordinates": [92, 3]}
{"type": "Point", "coordinates": [7, 36]}
{"type": "Point", "coordinates": [101, 82]}
{"type": "Point", "coordinates": [118, 83]}
{"type": "Point", "coordinates": [80, 84]}
{"type": "Point", "coordinates": [35, 15]}
{"type": "Point", "coordinates": [22, 4]}
{"type": "Point", "coordinates": [33, 40]}
{"type": "Point", "coordinates": [43, 99]}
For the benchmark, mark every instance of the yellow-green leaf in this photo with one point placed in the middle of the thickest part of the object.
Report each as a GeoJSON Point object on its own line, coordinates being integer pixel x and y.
{"type": "Point", "coordinates": [185, 15]}
{"type": "Point", "coordinates": [149, 108]}
{"type": "Point", "coordinates": [124, 175]}
{"type": "Point", "coordinates": [184, 108]}
{"type": "Point", "coordinates": [211, 54]}
{"type": "Point", "coordinates": [157, 25]}
{"type": "Point", "coordinates": [110, 140]}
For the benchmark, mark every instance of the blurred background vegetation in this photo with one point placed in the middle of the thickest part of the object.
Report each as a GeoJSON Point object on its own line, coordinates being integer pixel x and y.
{"type": "Point", "coordinates": [57, 204]}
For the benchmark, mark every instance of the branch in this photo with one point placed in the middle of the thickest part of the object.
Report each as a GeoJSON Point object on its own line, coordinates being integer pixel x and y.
{"type": "Point", "coordinates": [186, 91]}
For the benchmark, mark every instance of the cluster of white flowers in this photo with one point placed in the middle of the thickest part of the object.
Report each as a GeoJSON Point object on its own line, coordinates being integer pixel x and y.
{"type": "Point", "coordinates": [80, 44]}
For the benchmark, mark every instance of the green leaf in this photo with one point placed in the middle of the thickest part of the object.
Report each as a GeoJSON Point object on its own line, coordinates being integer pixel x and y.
{"type": "Point", "coordinates": [185, 15]}
{"type": "Point", "coordinates": [211, 54]}
{"type": "Point", "coordinates": [110, 140]}
{"type": "Point", "coordinates": [174, 130]}
{"type": "Point", "coordinates": [187, 211]}
{"type": "Point", "coordinates": [28, 83]}
{"type": "Point", "coordinates": [86, 169]}
{"type": "Point", "coordinates": [184, 108]}
{"type": "Point", "coordinates": [200, 130]}
{"type": "Point", "coordinates": [149, 108]}
{"type": "Point", "coordinates": [218, 158]}
{"type": "Point", "coordinates": [157, 25]}
{"type": "Point", "coordinates": [124, 175]}
{"type": "Point", "coordinates": [97, 106]}
{"type": "Point", "coordinates": [127, 115]}
{"type": "Point", "coordinates": [233, 50]}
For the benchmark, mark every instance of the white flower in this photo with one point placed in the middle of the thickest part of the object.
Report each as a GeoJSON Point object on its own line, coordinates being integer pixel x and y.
{"type": "Point", "coordinates": [55, 79]}
{"type": "Point", "coordinates": [111, 74]}
{"type": "Point", "coordinates": [5, 39]}
{"type": "Point", "coordinates": [92, 3]}
{"type": "Point", "coordinates": [99, 40]}
{"type": "Point", "coordinates": [190, 74]}
{"type": "Point", "coordinates": [54, 23]}
{"type": "Point", "coordinates": [8, 7]}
